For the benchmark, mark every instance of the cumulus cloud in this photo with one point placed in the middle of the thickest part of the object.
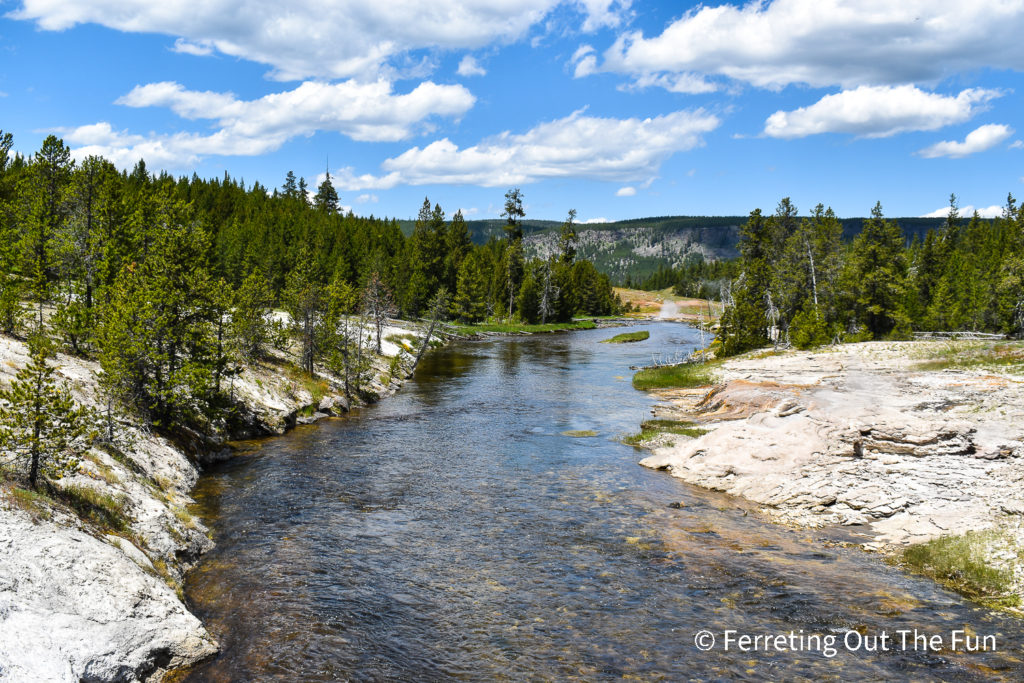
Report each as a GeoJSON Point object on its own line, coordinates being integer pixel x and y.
{"type": "Point", "coordinates": [994, 211]}
{"type": "Point", "coordinates": [470, 67]}
{"type": "Point", "coordinates": [878, 111]}
{"type": "Point", "coordinates": [577, 146]}
{"type": "Point", "coordinates": [823, 43]}
{"type": "Point", "coordinates": [603, 13]}
{"type": "Point", "coordinates": [978, 140]}
{"type": "Point", "coordinates": [196, 49]}
{"type": "Point", "coordinates": [331, 38]}
{"type": "Point", "coordinates": [627, 191]}
{"type": "Point", "coordinates": [361, 111]}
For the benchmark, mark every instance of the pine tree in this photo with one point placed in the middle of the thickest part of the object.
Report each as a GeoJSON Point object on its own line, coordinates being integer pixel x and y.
{"type": "Point", "coordinates": [303, 299]}
{"type": "Point", "coordinates": [745, 323]}
{"type": "Point", "coordinates": [469, 305]}
{"type": "Point", "coordinates": [40, 422]}
{"type": "Point", "coordinates": [47, 213]}
{"type": "Point", "coordinates": [878, 277]}
{"type": "Point", "coordinates": [326, 199]}
{"type": "Point", "coordinates": [567, 239]}
{"type": "Point", "coordinates": [250, 319]}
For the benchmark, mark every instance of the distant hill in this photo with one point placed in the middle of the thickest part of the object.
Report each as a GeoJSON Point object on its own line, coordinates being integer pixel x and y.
{"type": "Point", "coordinates": [638, 246]}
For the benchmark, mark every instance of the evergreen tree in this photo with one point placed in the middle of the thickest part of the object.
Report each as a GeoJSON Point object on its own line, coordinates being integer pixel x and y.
{"type": "Point", "coordinates": [567, 239]}
{"type": "Point", "coordinates": [40, 422]}
{"type": "Point", "coordinates": [745, 323]}
{"type": "Point", "coordinates": [878, 275]}
{"type": "Point", "coordinates": [326, 199]}
{"type": "Point", "coordinates": [303, 299]}
{"type": "Point", "coordinates": [250, 319]}
{"type": "Point", "coordinates": [46, 215]}
{"type": "Point", "coordinates": [469, 305]}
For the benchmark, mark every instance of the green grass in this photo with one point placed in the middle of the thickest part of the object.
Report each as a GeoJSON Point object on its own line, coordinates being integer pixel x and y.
{"type": "Point", "coordinates": [406, 340]}
{"type": "Point", "coordinates": [679, 376]}
{"type": "Point", "coordinates": [1003, 356]}
{"type": "Point", "coordinates": [627, 337]}
{"type": "Point", "coordinates": [649, 429]}
{"type": "Point", "coordinates": [102, 509]}
{"type": "Point", "coordinates": [520, 328]}
{"type": "Point", "coordinates": [958, 563]}
{"type": "Point", "coordinates": [35, 503]}
{"type": "Point", "coordinates": [316, 387]}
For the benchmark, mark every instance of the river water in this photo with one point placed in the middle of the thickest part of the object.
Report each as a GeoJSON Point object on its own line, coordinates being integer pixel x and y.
{"type": "Point", "coordinates": [453, 532]}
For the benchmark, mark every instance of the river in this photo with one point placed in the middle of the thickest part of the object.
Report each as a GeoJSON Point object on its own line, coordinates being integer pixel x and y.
{"type": "Point", "coordinates": [454, 532]}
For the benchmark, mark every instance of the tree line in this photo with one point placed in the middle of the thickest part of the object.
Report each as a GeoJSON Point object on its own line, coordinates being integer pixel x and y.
{"type": "Point", "coordinates": [797, 280]}
{"type": "Point", "coordinates": [173, 284]}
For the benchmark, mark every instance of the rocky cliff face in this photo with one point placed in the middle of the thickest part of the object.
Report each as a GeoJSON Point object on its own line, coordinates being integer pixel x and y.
{"type": "Point", "coordinates": [87, 599]}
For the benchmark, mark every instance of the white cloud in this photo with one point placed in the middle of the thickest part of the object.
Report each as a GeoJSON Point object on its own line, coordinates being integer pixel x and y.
{"type": "Point", "coordinates": [470, 67]}
{"type": "Point", "coordinates": [361, 111]}
{"type": "Point", "coordinates": [627, 191]}
{"type": "Point", "coordinates": [602, 13]}
{"type": "Point", "coordinates": [367, 198]}
{"type": "Point", "coordinates": [878, 111]}
{"type": "Point", "coordinates": [825, 42]}
{"type": "Point", "coordinates": [1017, 144]}
{"type": "Point", "coordinates": [471, 211]}
{"type": "Point", "coordinates": [198, 49]}
{"type": "Point", "coordinates": [577, 146]}
{"type": "Point", "coordinates": [994, 211]}
{"type": "Point", "coordinates": [331, 38]}
{"type": "Point", "coordinates": [978, 140]}
{"type": "Point", "coordinates": [592, 221]}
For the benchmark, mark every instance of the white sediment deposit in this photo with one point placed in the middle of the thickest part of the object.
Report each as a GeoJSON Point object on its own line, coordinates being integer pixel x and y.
{"type": "Point", "coordinates": [859, 434]}
{"type": "Point", "coordinates": [81, 602]}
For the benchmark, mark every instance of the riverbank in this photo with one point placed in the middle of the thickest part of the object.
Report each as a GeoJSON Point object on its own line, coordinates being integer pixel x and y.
{"type": "Point", "coordinates": [90, 579]}
{"type": "Point", "coordinates": [904, 442]}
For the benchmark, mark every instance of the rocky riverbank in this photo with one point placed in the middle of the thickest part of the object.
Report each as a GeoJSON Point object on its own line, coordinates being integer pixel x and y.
{"type": "Point", "coordinates": [908, 441]}
{"type": "Point", "coordinates": [93, 593]}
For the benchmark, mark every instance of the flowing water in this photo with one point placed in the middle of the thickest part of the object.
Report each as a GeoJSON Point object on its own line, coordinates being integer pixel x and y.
{"type": "Point", "coordinates": [454, 532]}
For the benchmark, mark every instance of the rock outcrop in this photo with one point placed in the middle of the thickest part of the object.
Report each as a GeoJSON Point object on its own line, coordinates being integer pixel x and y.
{"type": "Point", "coordinates": [857, 435]}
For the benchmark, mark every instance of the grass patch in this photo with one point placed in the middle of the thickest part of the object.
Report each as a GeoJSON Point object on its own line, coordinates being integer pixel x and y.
{"type": "Point", "coordinates": [579, 433]}
{"type": "Point", "coordinates": [406, 340]}
{"type": "Point", "coordinates": [314, 386]}
{"type": "Point", "coordinates": [520, 328]}
{"type": "Point", "coordinates": [35, 503]}
{"type": "Point", "coordinates": [650, 429]}
{"type": "Point", "coordinates": [102, 509]}
{"type": "Point", "coordinates": [958, 562]}
{"type": "Point", "coordinates": [627, 337]}
{"type": "Point", "coordinates": [1002, 356]}
{"type": "Point", "coordinates": [682, 375]}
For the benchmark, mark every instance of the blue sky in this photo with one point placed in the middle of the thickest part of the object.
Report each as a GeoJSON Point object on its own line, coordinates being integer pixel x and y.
{"type": "Point", "coordinates": [616, 109]}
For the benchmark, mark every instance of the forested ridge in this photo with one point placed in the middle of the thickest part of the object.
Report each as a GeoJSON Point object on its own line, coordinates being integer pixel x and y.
{"type": "Point", "coordinates": [797, 281]}
{"type": "Point", "coordinates": [172, 284]}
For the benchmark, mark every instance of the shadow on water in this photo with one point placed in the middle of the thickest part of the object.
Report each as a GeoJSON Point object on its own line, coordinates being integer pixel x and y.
{"type": "Point", "coordinates": [453, 531]}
